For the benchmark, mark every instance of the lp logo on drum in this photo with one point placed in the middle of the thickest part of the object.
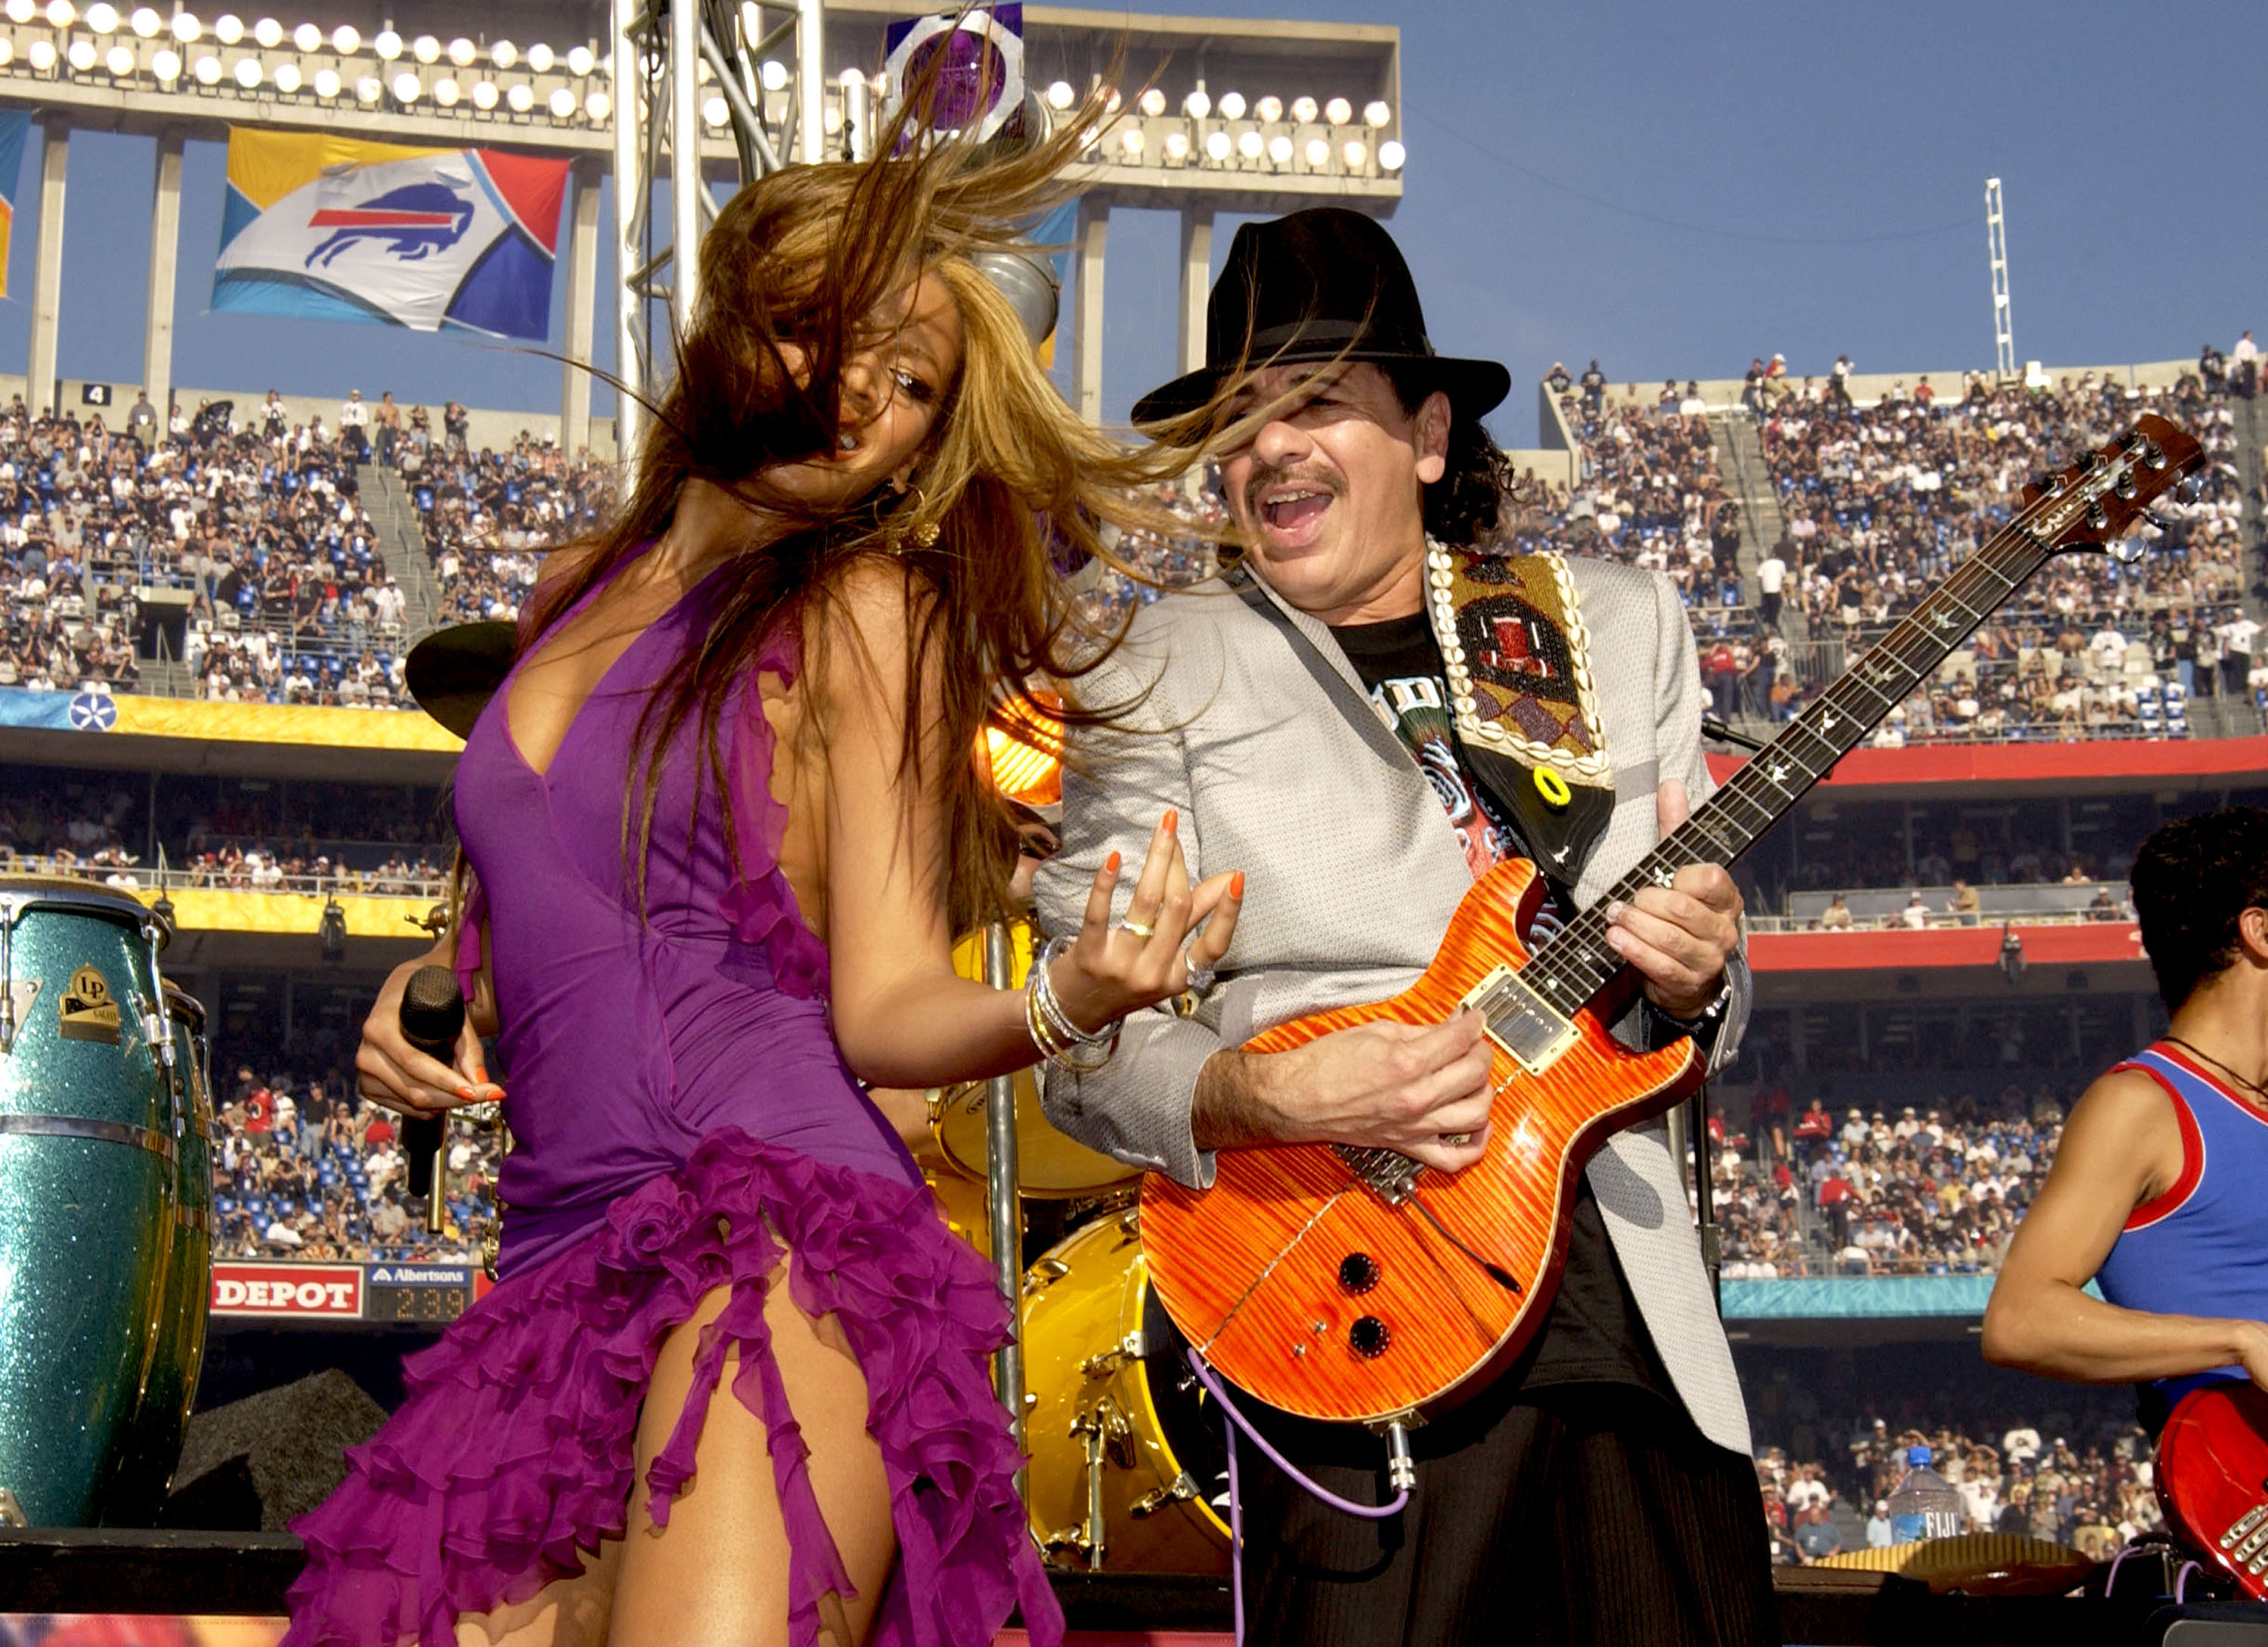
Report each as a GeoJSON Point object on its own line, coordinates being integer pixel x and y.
{"type": "Point", "coordinates": [86, 1013]}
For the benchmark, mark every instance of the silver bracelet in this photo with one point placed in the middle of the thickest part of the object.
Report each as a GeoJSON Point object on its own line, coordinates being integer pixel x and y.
{"type": "Point", "coordinates": [1042, 988]}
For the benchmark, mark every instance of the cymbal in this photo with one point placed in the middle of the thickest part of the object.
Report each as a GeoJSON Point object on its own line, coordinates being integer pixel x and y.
{"type": "Point", "coordinates": [454, 672]}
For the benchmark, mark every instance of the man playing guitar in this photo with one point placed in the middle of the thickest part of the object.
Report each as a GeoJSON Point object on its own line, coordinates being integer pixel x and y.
{"type": "Point", "coordinates": [1304, 720]}
{"type": "Point", "coordinates": [2156, 1193]}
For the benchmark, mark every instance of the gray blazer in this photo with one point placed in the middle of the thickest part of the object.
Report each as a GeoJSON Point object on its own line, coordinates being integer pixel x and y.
{"type": "Point", "coordinates": [1352, 872]}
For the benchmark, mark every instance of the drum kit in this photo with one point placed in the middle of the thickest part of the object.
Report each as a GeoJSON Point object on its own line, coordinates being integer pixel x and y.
{"type": "Point", "coordinates": [105, 1206]}
{"type": "Point", "coordinates": [1129, 1464]}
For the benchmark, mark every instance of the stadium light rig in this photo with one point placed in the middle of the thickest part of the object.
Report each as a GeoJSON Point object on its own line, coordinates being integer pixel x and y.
{"type": "Point", "coordinates": [264, 60]}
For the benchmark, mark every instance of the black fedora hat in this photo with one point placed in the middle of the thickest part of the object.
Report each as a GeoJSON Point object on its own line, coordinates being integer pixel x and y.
{"type": "Point", "coordinates": [1326, 283]}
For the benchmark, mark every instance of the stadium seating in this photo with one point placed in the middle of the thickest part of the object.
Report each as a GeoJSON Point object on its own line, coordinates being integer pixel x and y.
{"type": "Point", "coordinates": [482, 513]}
{"type": "Point", "coordinates": [1878, 500]}
{"type": "Point", "coordinates": [262, 530]}
{"type": "Point", "coordinates": [225, 833]}
{"type": "Point", "coordinates": [1860, 1193]}
{"type": "Point", "coordinates": [2077, 1472]}
{"type": "Point", "coordinates": [302, 1171]}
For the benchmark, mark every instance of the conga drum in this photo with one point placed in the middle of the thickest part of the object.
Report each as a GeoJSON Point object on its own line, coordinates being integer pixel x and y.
{"type": "Point", "coordinates": [177, 1350]}
{"type": "Point", "coordinates": [88, 1186]}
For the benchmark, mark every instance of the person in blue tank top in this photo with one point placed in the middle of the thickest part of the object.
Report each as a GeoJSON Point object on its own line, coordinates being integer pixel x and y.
{"type": "Point", "coordinates": [2156, 1192]}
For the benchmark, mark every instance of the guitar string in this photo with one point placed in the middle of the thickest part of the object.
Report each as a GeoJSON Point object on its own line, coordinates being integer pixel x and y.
{"type": "Point", "coordinates": [1566, 987]}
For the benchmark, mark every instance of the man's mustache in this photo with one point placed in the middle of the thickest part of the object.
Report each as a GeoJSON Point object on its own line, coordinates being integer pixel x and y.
{"type": "Point", "coordinates": [1264, 477]}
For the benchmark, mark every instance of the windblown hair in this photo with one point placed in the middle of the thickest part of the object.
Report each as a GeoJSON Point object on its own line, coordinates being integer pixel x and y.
{"type": "Point", "coordinates": [1466, 508]}
{"type": "Point", "coordinates": [2192, 879]}
{"type": "Point", "coordinates": [809, 260]}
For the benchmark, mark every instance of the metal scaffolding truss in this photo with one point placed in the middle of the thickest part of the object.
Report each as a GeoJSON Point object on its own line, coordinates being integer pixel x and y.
{"type": "Point", "coordinates": [1996, 242]}
{"type": "Point", "coordinates": [670, 57]}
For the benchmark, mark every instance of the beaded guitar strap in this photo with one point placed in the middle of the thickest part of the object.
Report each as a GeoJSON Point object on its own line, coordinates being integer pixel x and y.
{"type": "Point", "coordinates": [1517, 657]}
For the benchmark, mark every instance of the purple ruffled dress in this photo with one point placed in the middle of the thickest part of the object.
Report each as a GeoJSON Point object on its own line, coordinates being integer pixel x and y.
{"type": "Point", "coordinates": [681, 1114]}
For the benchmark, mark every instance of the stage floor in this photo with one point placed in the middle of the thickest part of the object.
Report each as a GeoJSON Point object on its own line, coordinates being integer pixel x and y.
{"type": "Point", "coordinates": [226, 1589]}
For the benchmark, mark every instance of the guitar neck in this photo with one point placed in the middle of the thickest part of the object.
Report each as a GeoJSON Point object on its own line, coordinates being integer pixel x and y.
{"type": "Point", "coordinates": [1570, 970]}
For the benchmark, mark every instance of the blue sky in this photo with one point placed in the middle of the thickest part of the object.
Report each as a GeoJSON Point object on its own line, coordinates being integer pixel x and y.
{"type": "Point", "coordinates": [1672, 188]}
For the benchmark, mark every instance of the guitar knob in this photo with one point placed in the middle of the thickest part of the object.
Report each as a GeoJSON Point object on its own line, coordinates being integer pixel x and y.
{"type": "Point", "coordinates": [2126, 487]}
{"type": "Point", "coordinates": [1358, 1273]}
{"type": "Point", "coordinates": [2153, 454]}
{"type": "Point", "coordinates": [2188, 488]}
{"type": "Point", "coordinates": [2099, 517]}
{"type": "Point", "coordinates": [1368, 1337]}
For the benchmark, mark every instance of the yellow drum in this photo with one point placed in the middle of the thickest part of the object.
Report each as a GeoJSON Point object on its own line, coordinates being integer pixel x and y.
{"type": "Point", "coordinates": [1130, 1468]}
{"type": "Point", "coordinates": [1051, 1165]}
{"type": "Point", "coordinates": [961, 1204]}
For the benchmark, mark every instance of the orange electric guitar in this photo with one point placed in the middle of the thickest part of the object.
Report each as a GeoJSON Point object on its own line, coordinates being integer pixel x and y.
{"type": "Point", "coordinates": [1356, 1285]}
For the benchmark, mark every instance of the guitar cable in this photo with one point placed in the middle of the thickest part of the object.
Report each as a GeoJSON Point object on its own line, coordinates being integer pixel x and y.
{"type": "Point", "coordinates": [1401, 1471]}
{"type": "Point", "coordinates": [2110, 1580]}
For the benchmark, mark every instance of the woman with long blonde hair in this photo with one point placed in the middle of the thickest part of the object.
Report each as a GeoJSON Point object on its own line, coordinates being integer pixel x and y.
{"type": "Point", "coordinates": [725, 819]}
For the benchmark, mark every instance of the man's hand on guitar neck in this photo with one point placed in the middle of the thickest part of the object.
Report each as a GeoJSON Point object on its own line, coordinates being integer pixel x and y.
{"type": "Point", "coordinates": [1678, 938]}
{"type": "Point", "coordinates": [1377, 1086]}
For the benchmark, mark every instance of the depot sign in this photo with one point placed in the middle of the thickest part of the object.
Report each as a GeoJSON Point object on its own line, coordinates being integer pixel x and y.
{"type": "Point", "coordinates": [330, 1291]}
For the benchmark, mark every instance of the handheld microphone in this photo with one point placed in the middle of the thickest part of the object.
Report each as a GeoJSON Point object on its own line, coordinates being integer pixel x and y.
{"type": "Point", "coordinates": [432, 1018]}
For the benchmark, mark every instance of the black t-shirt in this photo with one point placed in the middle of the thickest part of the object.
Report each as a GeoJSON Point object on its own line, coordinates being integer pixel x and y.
{"type": "Point", "coordinates": [1593, 1333]}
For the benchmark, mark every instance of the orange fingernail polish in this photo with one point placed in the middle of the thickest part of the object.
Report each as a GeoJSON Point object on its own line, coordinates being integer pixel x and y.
{"type": "Point", "coordinates": [1236, 884]}
{"type": "Point", "coordinates": [1172, 819]}
{"type": "Point", "coordinates": [465, 1092]}
{"type": "Point", "coordinates": [1111, 863]}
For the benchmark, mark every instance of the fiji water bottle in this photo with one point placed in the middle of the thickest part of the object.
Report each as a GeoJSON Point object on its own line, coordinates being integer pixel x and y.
{"type": "Point", "coordinates": [1925, 1504]}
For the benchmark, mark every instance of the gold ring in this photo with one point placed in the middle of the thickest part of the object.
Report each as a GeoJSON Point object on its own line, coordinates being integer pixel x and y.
{"type": "Point", "coordinates": [1139, 929]}
{"type": "Point", "coordinates": [1456, 1140]}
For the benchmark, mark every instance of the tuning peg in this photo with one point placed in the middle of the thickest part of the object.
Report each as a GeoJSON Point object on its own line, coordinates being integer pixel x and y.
{"type": "Point", "coordinates": [2126, 487]}
{"type": "Point", "coordinates": [2153, 454]}
{"type": "Point", "coordinates": [2098, 517]}
{"type": "Point", "coordinates": [2090, 461]}
{"type": "Point", "coordinates": [2188, 489]}
{"type": "Point", "coordinates": [2051, 483]}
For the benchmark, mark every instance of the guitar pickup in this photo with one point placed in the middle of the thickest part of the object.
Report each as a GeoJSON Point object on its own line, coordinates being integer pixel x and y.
{"type": "Point", "coordinates": [1521, 1021]}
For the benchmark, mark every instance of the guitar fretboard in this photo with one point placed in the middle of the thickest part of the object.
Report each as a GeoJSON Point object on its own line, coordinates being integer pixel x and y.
{"type": "Point", "coordinates": [1570, 969]}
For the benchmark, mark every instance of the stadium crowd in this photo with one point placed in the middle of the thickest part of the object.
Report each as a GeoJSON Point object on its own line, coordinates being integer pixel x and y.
{"type": "Point", "coordinates": [258, 523]}
{"type": "Point", "coordinates": [1157, 559]}
{"type": "Point", "coordinates": [1883, 500]}
{"type": "Point", "coordinates": [261, 520]}
{"type": "Point", "coordinates": [1913, 1191]}
{"type": "Point", "coordinates": [1878, 500]}
{"type": "Point", "coordinates": [486, 514]}
{"type": "Point", "coordinates": [304, 1170]}
{"type": "Point", "coordinates": [2079, 1473]}
{"type": "Point", "coordinates": [234, 834]}
{"type": "Point", "coordinates": [1650, 495]}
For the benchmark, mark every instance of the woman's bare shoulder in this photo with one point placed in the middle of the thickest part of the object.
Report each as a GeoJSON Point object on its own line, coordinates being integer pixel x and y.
{"type": "Point", "coordinates": [561, 561]}
{"type": "Point", "coordinates": [866, 618]}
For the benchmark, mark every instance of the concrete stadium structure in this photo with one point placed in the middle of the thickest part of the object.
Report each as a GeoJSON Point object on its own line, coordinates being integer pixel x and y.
{"type": "Point", "coordinates": [1219, 115]}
